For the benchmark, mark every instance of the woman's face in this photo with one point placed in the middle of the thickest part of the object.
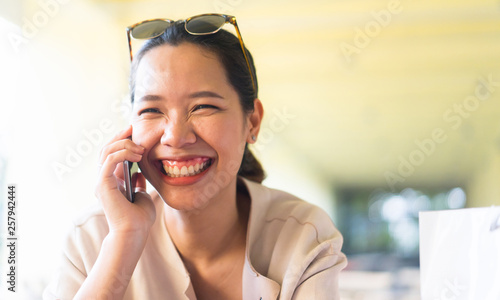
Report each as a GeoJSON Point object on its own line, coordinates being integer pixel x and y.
{"type": "Point", "coordinates": [189, 118]}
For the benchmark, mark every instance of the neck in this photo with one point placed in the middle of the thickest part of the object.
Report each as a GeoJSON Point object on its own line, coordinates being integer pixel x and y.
{"type": "Point", "coordinates": [212, 232]}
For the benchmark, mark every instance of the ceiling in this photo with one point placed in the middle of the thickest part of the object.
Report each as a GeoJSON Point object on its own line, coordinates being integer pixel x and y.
{"type": "Point", "coordinates": [364, 82]}
{"type": "Point", "coordinates": [360, 109]}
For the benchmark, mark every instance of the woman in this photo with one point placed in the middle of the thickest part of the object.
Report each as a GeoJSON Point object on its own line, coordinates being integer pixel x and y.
{"type": "Point", "coordinates": [210, 230]}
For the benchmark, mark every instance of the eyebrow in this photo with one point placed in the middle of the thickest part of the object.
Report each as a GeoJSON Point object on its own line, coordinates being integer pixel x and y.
{"type": "Point", "coordinates": [205, 94]}
{"type": "Point", "coordinates": [200, 94]}
{"type": "Point", "coordinates": [150, 98]}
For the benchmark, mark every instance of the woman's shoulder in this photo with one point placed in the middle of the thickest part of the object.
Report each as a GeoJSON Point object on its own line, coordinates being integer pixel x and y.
{"type": "Point", "coordinates": [87, 232]}
{"type": "Point", "coordinates": [91, 218]}
{"type": "Point", "coordinates": [280, 218]}
{"type": "Point", "coordinates": [288, 235]}
{"type": "Point", "coordinates": [273, 204]}
{"type": "Point", "coordinates": [84, 238]}
{"type": "Point", "coordinates": [90, 227]}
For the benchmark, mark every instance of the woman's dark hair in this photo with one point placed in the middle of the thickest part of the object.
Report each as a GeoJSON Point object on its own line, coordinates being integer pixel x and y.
{"type": "Point", "coordinates": [228, 49]}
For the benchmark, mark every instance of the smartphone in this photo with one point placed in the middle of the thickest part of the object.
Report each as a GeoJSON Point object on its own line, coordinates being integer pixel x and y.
{"type": "Point", "coordinates": [127, 175]}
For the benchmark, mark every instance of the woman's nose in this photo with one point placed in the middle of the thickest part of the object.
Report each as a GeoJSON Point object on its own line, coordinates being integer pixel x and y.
{"type": "Point", "coordinates": [177, 134]}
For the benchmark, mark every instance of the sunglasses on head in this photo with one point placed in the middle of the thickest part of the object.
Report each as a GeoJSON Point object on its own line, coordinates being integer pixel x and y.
{"type": "Point", "coordinates": [198, 25]}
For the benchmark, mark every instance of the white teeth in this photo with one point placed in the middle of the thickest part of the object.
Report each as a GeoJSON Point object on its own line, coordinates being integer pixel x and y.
{"type": "Point", "coordinates": [185, 171]}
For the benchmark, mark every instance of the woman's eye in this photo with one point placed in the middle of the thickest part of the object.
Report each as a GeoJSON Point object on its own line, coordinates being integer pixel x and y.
{"type": "Point", "coordinates": [149, 110]}
{"type": "Point", "coordinates": [203, 106]}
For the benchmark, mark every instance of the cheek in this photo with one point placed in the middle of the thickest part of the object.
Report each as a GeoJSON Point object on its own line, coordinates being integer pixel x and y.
{"type": "Point", "coordinates": [145, 134]}
{"type": "Point", "coordinates": [225, 135]}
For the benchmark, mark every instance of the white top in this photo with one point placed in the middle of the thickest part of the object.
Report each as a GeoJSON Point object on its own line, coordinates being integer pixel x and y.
{"type": "Point", "coordinates": [293, 251]}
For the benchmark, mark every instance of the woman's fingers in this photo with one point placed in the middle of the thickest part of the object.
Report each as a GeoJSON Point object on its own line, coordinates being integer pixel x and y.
{"type": "Point", "coordinates": [112, 156]}
{"type": "Point", "coordinates": [115, 159]}
{"type": "Point", "coordinates": [118, 146]}
{"type": "Point", "coordinates": [119, 142]}
{"type": "Point", "coordinates": [119, 136]}
{"type": "Point", "coordinates": [123, 216]}
{"type": "Point", "coordinates": [141, 197]}
{"type": "Point", "coordinates": [127, 132]}
{"type": "Point", "coordinates": [139, 182]}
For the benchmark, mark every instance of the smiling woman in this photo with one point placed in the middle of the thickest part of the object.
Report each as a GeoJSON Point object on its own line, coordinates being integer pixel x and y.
{"type": "Point", "coordinates": [210, 230]}
{"type": "Point", "coordinates": [199, 117]}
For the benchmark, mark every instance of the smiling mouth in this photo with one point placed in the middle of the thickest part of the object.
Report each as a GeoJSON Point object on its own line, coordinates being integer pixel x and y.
{"type": "Point", "coordinates": [185, 168]}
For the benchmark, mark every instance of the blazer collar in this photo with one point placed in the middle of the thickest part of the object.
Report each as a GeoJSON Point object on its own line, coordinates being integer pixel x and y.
{"type": "Point", "coordinates": [255, 285]}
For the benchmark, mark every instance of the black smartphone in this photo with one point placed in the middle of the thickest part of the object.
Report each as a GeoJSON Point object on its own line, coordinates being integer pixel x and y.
{"type": "Point", "coordinates": [127, 175]}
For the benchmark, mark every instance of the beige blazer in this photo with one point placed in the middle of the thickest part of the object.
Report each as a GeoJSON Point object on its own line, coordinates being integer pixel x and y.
{"type": "Point", "coordinates": [293, 251]}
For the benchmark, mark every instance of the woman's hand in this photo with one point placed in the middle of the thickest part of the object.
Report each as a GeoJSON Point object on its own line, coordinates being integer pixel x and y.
{"type": "Point", "coordinates": [129, 223]}
{"type": "Point", "coordinates": [123, 216]}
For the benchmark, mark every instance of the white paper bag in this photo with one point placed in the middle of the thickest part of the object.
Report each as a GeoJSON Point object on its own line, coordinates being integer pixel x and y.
{"type": "Point", "coordinates": [460, 254]}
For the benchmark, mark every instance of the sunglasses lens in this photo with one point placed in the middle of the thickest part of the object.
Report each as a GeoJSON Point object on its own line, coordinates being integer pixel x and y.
{"type": "Point", "coordinates": [149, 29]}
{"type": "Point", "coordinates": [205, 24]}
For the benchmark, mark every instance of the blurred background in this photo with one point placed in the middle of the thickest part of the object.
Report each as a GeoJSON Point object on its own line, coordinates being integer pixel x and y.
{"type": "Point", "coordinates": [375, 110]}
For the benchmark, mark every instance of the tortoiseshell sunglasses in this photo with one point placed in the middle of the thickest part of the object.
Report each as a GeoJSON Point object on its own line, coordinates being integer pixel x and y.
{"type": "Point", "coordinates": [198, 25]}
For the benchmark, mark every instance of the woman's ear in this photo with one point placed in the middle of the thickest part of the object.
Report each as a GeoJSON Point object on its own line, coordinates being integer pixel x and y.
{"type": "Point", "coordinates": [254, 121]}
